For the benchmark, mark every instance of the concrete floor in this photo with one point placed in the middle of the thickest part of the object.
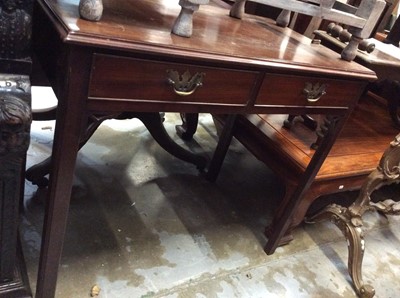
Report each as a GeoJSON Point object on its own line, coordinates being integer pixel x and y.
{"type": "Point", "coordinates": [145, 224]}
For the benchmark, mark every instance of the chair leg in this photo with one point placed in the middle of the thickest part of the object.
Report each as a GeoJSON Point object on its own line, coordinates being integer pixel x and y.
{"type": "Point", "coordinates": [237, 9]}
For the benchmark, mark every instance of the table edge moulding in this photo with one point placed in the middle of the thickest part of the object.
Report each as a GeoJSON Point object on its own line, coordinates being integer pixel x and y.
{"type": "Point", "coordinates": [129, 64]}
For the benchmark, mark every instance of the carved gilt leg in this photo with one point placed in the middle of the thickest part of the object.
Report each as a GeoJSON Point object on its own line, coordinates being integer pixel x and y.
{"type": "Point", "coordinates": [349, 220]}
{"type": "Point", "coordinates": [351, 228]}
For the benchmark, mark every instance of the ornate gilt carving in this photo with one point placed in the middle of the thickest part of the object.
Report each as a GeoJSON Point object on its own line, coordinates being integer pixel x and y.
{"type": "Point", "coordinates": [349, 220]}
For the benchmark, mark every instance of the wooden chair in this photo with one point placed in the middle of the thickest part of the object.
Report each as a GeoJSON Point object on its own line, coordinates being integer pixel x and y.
{"type": "Point", "coordinates": [394, 35]}
{"type": "Point", "coordinates": [362, 19]}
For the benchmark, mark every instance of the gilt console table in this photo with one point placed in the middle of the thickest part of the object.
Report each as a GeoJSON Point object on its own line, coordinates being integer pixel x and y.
{"type": "Point", "coordinates": [130, 62]}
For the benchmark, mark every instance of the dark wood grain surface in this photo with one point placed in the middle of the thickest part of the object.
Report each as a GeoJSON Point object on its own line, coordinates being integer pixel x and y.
{"type": "Point", "coordinates": [146, 26]}
{"type": "Point", "coordinates": [119, 64]}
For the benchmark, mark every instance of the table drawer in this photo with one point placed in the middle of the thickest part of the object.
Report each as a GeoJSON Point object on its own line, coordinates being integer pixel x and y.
{"type": "Point", "coordinates": [307, 91]}
{"type": "Point", "coordinates": [134, 79]}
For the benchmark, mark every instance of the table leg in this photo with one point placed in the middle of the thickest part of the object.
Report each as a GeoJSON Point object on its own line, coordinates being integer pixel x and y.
{"type": "Point", "coordinates": [349, 220]}
{"type": "Point", "coordinates": [351, 228]}
{"type": "Point", "coordinates": [222, 147]}
{"type": "Point", "coordinates": [153, 122]}
{"type": "Point", "coordinates": [393, 90]}
{"type": "Point", "coordinates": [69, 127]}
{"type": "Point", "coordinates": [283, 223]}
{"type": "Point", "coordinates": [188, 127]}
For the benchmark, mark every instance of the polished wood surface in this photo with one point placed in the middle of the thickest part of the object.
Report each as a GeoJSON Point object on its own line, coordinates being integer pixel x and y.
{"type": "Point", "coordinates": [355, 154]}
{"type": "Point", "coordinates": [121, 64]}
{"type": "Point", "coordinates": [357, 150]}
{"type": "Point", "coordinates": [145, 26]}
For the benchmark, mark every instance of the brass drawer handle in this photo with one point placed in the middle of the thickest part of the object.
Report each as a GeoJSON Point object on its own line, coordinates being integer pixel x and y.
{"type": "Point", "coordinates": [314, 92]}
{"type": "Point", "coordinates": [185, 84]}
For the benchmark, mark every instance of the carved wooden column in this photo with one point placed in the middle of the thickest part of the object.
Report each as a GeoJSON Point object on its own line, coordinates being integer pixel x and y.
{"type": "Point", "coordinates": [15, 120]}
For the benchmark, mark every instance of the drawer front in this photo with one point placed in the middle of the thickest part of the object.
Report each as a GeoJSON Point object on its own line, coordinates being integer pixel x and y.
{"type": "Point", "coordinates": [307, 91]}
{"type": "Point", "coordinates": [134, 79]}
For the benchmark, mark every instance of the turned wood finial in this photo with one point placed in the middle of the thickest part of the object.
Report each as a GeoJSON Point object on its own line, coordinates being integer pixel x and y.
{"type": "Point", "coordinates": [15, 120]}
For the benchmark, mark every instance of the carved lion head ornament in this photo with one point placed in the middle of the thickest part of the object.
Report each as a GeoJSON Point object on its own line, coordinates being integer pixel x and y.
{"type": "Point", "coordinates": [15, 121]}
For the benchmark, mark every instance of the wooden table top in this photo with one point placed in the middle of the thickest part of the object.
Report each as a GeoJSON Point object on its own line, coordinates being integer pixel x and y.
{"type": "Point", "coordinates": [145, 26]}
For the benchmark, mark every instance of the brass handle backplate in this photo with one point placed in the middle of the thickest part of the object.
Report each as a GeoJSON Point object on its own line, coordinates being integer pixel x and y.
{"type": "Point", "coordinates": [184, 84]}
{"type": "Point", "coordinates": [314, 92]}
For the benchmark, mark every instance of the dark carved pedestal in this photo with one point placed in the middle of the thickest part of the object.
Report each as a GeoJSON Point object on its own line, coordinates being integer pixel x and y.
{"type": "Point", "coordinates": [15, 120]}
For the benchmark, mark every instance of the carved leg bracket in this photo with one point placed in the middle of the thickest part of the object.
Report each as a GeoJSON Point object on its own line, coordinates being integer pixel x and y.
{"type": "Point", "coordinates": [351, 228]}
{"type": "Point", "coordinates": [349, 220]}
{"type": "Point", "coordinates": [154, 124]}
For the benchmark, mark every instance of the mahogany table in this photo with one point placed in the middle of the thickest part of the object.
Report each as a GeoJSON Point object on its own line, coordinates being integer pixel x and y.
{"type": "Point", "coordinates": [130, 62]}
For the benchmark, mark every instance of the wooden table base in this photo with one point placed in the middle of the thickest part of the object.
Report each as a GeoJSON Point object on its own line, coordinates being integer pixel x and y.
{"type": "Point", "coordinates": [349, 220]}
